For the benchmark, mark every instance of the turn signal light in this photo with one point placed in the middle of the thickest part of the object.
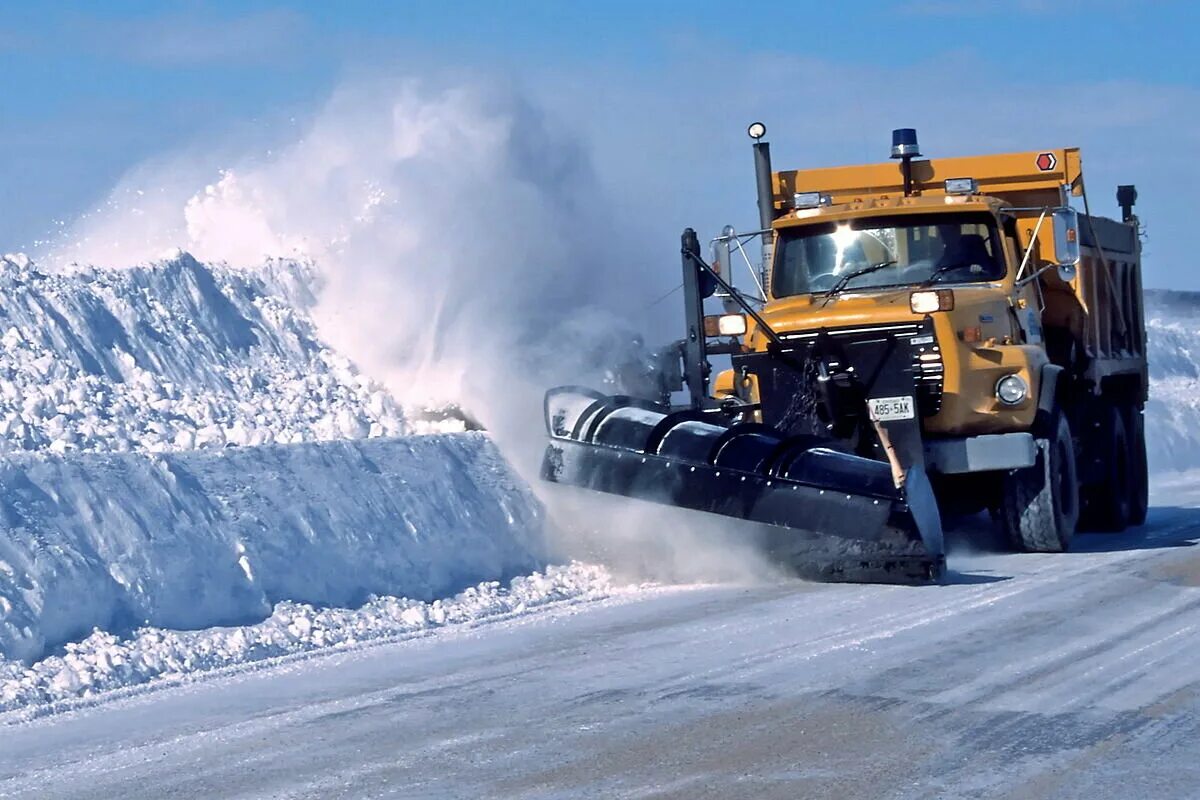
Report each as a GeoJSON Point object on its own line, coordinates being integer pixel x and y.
{"type": "Point", "coordinates": [931, 301]}
{"type": "Point", "coordinates": [725, 325]}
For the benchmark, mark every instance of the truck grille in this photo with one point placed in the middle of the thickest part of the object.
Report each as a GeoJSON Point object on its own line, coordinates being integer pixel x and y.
{"type": "Point", "coordinates": [927, 366]}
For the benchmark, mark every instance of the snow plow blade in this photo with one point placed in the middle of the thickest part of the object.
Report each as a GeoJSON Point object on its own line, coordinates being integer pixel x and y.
{"type": "Point", "coordinates": [822, 512]}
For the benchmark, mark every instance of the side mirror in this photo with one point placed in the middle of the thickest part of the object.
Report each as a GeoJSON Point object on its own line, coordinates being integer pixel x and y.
{"type": "Point", "coordinates": [722, 260]}
{"type": "Point", "coordinates": [1067, 272]}
{"type": "Point", "coordinates": [1066, 238]}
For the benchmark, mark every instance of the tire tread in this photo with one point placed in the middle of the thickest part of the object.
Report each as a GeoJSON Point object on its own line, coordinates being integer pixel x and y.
{"type": "Point", "coordinates": [1027, 511]}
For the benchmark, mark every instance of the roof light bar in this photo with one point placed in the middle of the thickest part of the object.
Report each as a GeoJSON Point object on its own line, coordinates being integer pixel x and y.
{"type": "Point", "coordinates": [811, 199]}
{"type": "Point", "coordinates": [962, 186]}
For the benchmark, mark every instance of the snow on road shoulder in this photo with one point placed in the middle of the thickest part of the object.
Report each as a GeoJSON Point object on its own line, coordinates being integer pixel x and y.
{"type": "Point", "coordinates": [153, 657]}
{"type": "Point", "coordinates": [192, 540]}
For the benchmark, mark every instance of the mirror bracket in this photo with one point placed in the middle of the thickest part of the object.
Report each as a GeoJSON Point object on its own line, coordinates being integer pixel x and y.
{"type": "Point", "coordinates": [1066, 273]}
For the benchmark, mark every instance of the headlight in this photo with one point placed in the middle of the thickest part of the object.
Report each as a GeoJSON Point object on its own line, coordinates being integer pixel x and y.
{"type": "Point", "coordinates": [725, 325]}
{"type": "Point", "coordinates": [931, 301]}
{"type": "Point", "coordinates": [1011, 390]}
{"type": "Point", "coordinates": [732, 324]}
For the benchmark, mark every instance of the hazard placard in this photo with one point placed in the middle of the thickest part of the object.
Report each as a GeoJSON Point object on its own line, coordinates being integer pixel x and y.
{"type": "Point", "coordinates": [1046, 161]}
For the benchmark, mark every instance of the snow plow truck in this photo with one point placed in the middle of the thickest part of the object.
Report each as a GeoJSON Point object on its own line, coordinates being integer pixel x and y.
{"type": "Point", "coordinates": [924, 338]}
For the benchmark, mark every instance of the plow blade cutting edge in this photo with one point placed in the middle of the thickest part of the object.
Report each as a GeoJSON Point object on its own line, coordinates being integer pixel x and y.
{"type": "Point", "coordinates": [820, 511]}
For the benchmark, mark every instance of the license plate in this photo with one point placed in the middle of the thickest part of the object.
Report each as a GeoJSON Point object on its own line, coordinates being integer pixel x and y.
{"type": "Point", "coordinates": [887, 409]}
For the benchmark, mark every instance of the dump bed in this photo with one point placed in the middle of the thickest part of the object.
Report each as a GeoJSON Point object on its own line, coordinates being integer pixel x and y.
{"type": "Point", "coordinates": [1108, 288]}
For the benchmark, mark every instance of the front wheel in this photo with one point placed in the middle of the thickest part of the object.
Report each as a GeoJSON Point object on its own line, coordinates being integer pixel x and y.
{"type": "Point", "coordinates": [1039, 505]}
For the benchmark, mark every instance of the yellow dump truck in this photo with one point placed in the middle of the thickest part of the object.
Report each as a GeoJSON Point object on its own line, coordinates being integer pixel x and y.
{"type": "Point", "coordinates": [924, 337]}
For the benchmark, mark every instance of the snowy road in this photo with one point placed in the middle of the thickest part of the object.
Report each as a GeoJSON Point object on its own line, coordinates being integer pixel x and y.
{"type": "Point", "coordinates": [1074, 676]}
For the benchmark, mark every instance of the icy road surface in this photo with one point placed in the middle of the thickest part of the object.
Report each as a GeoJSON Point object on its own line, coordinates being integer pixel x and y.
{"type": "Point", "coordinates": [1074, 676]}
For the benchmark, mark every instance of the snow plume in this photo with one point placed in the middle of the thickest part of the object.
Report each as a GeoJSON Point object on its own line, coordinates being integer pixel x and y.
{"type": "Point", "coordinates": [467, 255]}
{"type": "Point", "coordinates": [459, 233]}
{"type": "Point", "coordinates": [641, 541]}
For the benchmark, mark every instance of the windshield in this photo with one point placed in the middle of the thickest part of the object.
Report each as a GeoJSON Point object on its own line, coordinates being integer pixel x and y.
{"type": "Point", "coordinates": [916, 248]}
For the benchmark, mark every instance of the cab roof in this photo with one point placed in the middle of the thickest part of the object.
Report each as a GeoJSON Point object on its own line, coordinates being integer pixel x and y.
{"type": "Point", "coordinates": [889, 206]}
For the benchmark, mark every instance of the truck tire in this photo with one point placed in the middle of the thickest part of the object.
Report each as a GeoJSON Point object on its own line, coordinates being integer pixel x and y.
{"type": "Point", "coordinates": [1139, 473]}
{"type": "Point", "coordinates": [1107, 504]}
{"type": "Point", "coordinates": [1039, 505]}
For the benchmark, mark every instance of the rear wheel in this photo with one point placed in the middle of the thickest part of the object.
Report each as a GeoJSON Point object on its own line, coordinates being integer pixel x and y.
{"type": "Point", "coordinates": [1139, 473]}
{"type": "Point", "coordinates": [1039, 505]}
{"type": "Point", "coordinates": [1108, 503]}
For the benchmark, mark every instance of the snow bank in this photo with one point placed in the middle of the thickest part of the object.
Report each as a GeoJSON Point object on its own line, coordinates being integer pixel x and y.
{"type": "Point", "coordinates": [103, 662]}
{"type": "Point", "coordinates": [180, 450]}
{"type": "Point", "coordinates": [1173, 413]}
{"type": "Point", "coordinates": [178, 355]}
{"type": "Point", "coordinates": [191, 540]}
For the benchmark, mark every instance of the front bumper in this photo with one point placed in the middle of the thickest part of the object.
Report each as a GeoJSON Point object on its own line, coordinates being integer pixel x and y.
{"type": "Point", "coordinates": [999, 451]}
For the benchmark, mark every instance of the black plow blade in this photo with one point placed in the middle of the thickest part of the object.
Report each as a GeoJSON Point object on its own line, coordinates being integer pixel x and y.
{"type": "Point", "coordinates": [822, 512]}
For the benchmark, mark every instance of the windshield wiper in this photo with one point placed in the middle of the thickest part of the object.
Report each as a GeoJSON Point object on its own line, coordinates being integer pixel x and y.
{"type": "Point", "coordinates": [849, 276]}
{"type": "Point", "coordinates": [940, 271]}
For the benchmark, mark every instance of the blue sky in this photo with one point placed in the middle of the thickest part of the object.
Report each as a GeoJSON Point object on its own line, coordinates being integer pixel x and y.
{"type": "Point", "coordinates": [655, 89]}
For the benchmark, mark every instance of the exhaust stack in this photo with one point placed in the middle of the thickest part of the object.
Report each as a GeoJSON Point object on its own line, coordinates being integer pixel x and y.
{"type": "Point", "coordinates": [1126, 197]}
{"type": "Point", "coordinates": [766, 193]}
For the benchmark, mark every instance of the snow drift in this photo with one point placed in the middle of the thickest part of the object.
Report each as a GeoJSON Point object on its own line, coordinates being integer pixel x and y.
{"type": "Point", "coordinates": [180, 450]}
{"type": "Point", "coordinates": [173, 356]}
{"type": "Point", "coordinates": [1173, 413]}
{"type": "Point", "coordinates": [191, 540]}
